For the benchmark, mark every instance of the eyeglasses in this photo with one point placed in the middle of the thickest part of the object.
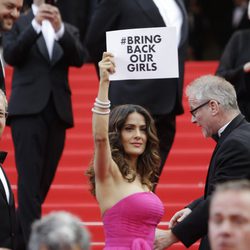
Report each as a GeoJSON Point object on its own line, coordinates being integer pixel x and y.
{"type": "Point", "coordinates": [3, 114]}
{"type": "Point", "coordinates": [193, 111]}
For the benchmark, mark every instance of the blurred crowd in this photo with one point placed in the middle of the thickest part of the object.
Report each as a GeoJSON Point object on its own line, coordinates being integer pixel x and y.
{"type": "Point", "coordinates": [77, 12]}
{"type": "Point", "coordinates": [211, 24]}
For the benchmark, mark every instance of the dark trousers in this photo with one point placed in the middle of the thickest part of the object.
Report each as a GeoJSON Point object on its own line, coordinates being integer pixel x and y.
{"type": "Point", "coordinates": [166, 127]}
{"type": "Point", "coordinates": [38, 142]}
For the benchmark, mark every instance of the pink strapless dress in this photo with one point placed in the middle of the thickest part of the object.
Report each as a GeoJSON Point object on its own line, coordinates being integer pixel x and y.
{"type": "Point", "coordinates": [131, 222]}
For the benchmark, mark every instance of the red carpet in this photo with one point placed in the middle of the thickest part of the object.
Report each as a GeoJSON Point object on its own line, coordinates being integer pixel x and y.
{"type": "Point", "coordinates": [182, 179]}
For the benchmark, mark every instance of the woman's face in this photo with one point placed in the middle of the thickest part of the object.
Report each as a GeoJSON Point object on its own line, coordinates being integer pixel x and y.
{"type": "Point", "coordinates": [134, 135]}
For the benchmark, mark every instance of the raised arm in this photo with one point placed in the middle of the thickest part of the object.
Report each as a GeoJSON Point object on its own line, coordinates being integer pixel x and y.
{"type": "Point", "coordinates": [102, 158]}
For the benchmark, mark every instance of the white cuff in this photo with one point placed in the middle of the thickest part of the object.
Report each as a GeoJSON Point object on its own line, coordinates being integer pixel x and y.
{"type": "Point", "coordinates": [37, 27]}
{"type": "Point", "coordinates": [60, 32]}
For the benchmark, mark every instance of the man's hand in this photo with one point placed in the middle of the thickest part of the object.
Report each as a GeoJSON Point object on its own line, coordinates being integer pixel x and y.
{"type": "Point", "coordinates": [246, 67]}
{"type": "Point", "coordinates": [164, 239]}
{"type": "Point", "coordinates": [179, 216]}
{"type": "Point", "coordinates": [50, 13]}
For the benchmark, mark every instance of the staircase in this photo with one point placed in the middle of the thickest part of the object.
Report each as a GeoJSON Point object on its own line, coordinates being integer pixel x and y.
{"type": "Point", "coordinates": [182, 179]}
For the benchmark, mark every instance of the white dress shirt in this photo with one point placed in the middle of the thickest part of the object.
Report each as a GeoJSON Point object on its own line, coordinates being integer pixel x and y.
{"type": "Point", "coordinates": [47, 30]}
{"type": "Point", "coordinates": [5, 185]}
{"type": "Point", "coordinates": [171, 14]}
{"type": "Point", "coordinates": [220, 131]}
{"type": "Point", "coordinates": [2, 65]}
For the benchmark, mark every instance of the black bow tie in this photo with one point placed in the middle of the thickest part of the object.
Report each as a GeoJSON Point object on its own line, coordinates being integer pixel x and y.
{"type": "Point", "coordinates": [216, 137]}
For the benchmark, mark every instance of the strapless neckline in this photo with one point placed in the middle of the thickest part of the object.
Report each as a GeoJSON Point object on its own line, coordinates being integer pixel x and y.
{"type": "Point", "coordinates": [130, 223]}
{"type": "Point", "coordinates": [123, 199]}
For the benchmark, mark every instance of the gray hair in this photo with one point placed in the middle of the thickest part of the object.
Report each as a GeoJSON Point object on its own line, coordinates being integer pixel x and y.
{"type": "Point", "coordinates": [210, 87]}
{"type": "Point", "coordinates": [59, 231]}
{"type": "Point", "coordinates": [4, 99]}
{"type": "Point", "coordinates": [233, 185]}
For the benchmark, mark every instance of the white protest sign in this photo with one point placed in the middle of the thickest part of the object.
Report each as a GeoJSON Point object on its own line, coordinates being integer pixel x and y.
{"type": "Point", "coordinates": [147, 53]}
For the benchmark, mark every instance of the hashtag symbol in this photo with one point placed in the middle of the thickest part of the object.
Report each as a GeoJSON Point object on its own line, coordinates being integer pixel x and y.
{"type": "Point", "coordinates": [123, 40]}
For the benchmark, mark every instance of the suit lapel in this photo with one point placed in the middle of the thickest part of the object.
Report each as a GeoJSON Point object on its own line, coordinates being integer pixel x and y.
{"type": "Point", "coordinates": [2, 190]}
{"type": "Point", "coordinates": [57, 53]}
{"type": "Point", "coordinates": [184, 28]}
{"type": "Point", "coordinates": [211, 170]}
{"type": "Point", "coordinates": [40, 41]}
{"type": "Point", "coordinates": [3, 155]}
{"type": "Point", "coordinates": [2, 78]}
{"type": "Point", "coordinates": [212, 166]}
{"type": "Point", "coordinates": [238, 120]}
{"type": "Point", "coordinates": [151, 11]}
{"type": "Point", "coordinates": [42, 47]}
{"type": "Point", "coordinates": [11, 200]}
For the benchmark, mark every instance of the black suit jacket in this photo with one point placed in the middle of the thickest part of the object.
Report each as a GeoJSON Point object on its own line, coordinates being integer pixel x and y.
{"type": "Point", "coordinates": [230, 160]}
{"type": "Point", "coordinates": [161, 96]}
{"type": "Point", "coordinates": [7, 213]}
{"type": "Point", "coordinates": [35, 76]}
{"type": "Point", "coordinates": [235, 55]}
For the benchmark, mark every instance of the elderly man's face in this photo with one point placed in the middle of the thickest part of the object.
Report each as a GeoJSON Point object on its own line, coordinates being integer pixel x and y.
{"type": "Point", "coordinates": [9, 12]}
{"type": "Point", "coordinates": [229, 221]}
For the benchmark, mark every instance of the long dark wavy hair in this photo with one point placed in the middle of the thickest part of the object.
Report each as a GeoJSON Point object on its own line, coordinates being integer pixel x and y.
{"type": "Point", "coordinates": [148, 163]}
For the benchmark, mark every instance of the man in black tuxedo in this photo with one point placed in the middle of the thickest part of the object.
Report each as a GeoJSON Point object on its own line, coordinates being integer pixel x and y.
{"type": "Point", "coordinates": [162, 97]}
{"type": "Point", "coordinates": [7, 203]}
{"type": "Point", "coordinates": [214, 108]}
{"type": "Point", "coordinates": [235, 67]}
{"type": "Point", "coordinates": [9, 12]}
{"type": "Point", "coordinates": [40, 108]}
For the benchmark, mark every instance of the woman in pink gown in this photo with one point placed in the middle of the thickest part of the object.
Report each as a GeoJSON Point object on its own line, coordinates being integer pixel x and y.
{"type": "Point", "coordinates": [126, 160]}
